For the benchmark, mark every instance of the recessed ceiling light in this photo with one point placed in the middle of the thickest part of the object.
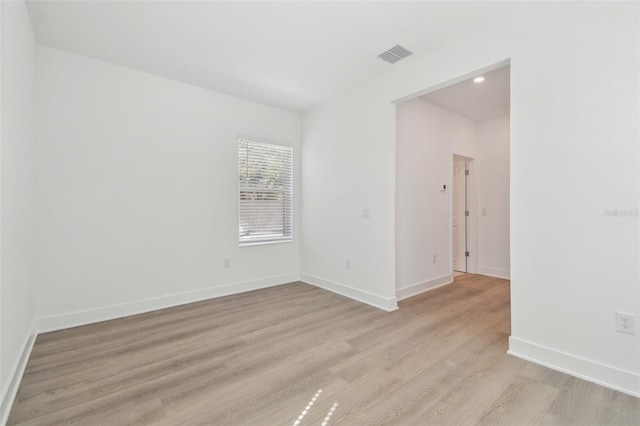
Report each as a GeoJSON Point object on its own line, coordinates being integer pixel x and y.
{"type": "Point", "coordinates": [478, 79]}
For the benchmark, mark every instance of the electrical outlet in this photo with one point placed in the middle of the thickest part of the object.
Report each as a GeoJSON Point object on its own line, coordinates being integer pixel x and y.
{"type": "Point", "coordinates": [434, 259]}
{"type": "Point", "coordinates": [625, 323]}
{"type": "Point", "coordinates": [347, 263]}
{"type": "Point", "coordinates": [226, 262]}
{"type": "Point", "coordinates": [366, 214]}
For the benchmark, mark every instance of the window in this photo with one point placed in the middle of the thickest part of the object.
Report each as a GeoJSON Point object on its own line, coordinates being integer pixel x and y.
{"type": "Point", "coordinates": [265, 210]}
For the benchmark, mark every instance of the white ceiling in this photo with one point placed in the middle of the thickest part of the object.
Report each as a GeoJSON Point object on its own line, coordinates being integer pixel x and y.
{"type": "Point", "coordinates": [292, 55]}
{"type": "Point", "coordinates": [477, 101]}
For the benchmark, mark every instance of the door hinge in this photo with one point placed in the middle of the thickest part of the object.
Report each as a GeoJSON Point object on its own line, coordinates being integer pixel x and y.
{"type": "Point", "coordinates": [466, 212]}
{"type": "Point", "coordinates": [466, 172]}
{"type": "Point", "coordinates": [466, 254]}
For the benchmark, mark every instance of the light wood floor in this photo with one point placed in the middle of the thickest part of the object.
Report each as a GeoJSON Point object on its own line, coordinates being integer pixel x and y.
{"type": "Point", "coordinates": [259, 358]}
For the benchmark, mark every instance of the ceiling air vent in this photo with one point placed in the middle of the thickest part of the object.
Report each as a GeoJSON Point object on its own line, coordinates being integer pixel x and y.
{"type": "Point", "coordinates": [394, 54]}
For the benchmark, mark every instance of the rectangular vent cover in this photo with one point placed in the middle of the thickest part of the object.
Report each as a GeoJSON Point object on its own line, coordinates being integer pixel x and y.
{"type": "Point", "coordinates": [394, 54]}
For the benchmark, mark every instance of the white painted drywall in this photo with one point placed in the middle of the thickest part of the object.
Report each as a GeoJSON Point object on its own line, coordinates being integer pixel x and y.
{"type": "Point", "coordinates": [17, 151]}
{"type": "Point", "coordinates": [138, 195]}
{"type": "Point", "coordinates": [574, 154]}
{"type": "Point", "coordinates": [346, 169]}
{"type": "Point", "coordinates": [492, 183]}
{"type": "Point", "coordinates": [427, 138]}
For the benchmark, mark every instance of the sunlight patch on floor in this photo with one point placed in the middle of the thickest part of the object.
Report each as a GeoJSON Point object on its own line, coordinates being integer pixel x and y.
{"type": "Point", "coordinates": [309, 406]}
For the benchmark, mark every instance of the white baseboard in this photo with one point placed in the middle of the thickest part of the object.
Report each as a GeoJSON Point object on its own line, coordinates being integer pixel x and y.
{"type": "Point", "coordinates": [91, 316]}
{"type": "Point", "coordinates": [9, 394]}
{"type": "Point", "coordinates": [384, 303]}
{"type": "Point", "coordinates": [404, 293]}
{"type": "Point", "coordinates": [495, 272]}
{"type": "Point", "coordinates": [589, 370]}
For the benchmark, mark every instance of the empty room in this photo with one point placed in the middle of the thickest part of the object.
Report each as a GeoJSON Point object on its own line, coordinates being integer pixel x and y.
{"type": "Point", "coordinates": [316, 213]}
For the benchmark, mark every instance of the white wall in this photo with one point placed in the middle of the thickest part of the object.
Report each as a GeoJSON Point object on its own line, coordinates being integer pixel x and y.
{"type": "Point", "coordinates": [574, 154]}
{"type": "Point", "coordinates": [138, 196]}
{"type": "Point", "coordinates": [492, 183]}
{"type": "Point", "coordinates": [427, 137]}
{"type": "Point", "coordinates": [17, 152]}
{"type": "Point", "coordinates": [345, 170]}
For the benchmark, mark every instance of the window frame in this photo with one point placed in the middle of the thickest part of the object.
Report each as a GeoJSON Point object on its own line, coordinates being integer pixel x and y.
{"type": "Point", "coordinates": [287, 231]}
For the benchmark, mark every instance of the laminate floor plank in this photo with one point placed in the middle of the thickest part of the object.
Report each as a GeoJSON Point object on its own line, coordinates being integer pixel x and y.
{"type": "Point", "coordinates": [524, 401]}
{"type": "Point", "coordinates": [259, 358]}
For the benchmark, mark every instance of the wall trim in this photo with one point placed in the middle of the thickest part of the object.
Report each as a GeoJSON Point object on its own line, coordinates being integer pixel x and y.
{"type": "Point", "coordinates": [596, 372]}
{"type": "Point", "coordinates": [90, 316]}
{"type": "Point", "coordinates": [9, 394]}
{"type": "Point", "coordinates": [384, 303]}
{"type": "Point", "coordinates": [415, 289]}
{"type": "Point", "coordinates": [494, 272]}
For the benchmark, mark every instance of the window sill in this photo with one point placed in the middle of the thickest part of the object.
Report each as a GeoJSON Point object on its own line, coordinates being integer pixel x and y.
{"type": "Point", "coordinates": [263, 243]}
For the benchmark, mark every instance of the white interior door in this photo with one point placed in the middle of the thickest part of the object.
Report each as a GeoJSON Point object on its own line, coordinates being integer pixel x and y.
{"type": "Point", "coordinates": [459, 215]}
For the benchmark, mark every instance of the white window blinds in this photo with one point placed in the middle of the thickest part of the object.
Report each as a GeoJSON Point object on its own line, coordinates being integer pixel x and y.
{"type": "Point", "coordinates": [265, 210]}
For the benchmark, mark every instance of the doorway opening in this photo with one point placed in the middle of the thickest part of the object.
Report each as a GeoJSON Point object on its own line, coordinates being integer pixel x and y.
{"type": "Point", "coordinates": [452, 182]}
